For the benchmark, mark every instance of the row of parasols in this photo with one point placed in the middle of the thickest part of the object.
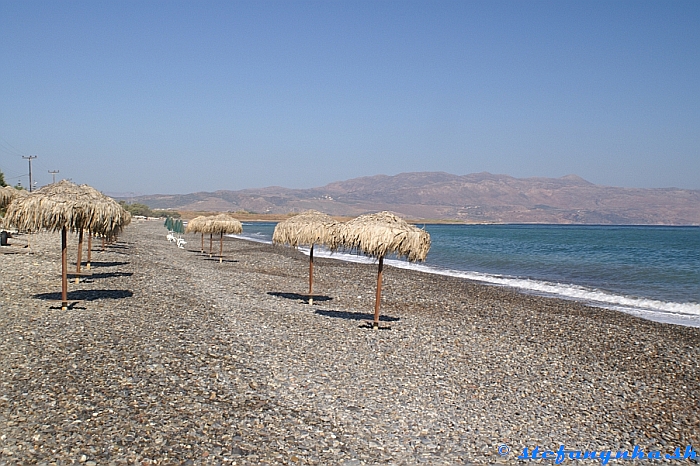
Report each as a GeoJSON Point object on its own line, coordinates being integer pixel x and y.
{"type": "Point", "coordinates": [376, 235]}
{"type": "Point", "coordinates": [64, 206]}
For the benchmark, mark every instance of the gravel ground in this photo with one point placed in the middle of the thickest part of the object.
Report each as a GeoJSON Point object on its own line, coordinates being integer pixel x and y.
{"type": "Point", "coordinates": [169, 357]}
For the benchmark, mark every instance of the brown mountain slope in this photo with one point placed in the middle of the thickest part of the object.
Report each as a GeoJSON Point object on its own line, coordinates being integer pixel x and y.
{"type": "Point", "coordinates": [479, 197]}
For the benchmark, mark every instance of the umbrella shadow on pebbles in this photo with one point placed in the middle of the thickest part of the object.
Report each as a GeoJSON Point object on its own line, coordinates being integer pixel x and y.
{"type": "Point", "coordinates": [299, 297]}
{"type": "Point", "coordinates": [118, 245]}
{"type": "Point", "coordinates": [89, 277]}
{"type": "Point", "coordinates": [359, 316]}
{"type": "Point", "coordinates": [86, 295]}
{"type": "Point", "coordinates": [107, 264]}
{"type": "Point", "coordinates": [354, 315]}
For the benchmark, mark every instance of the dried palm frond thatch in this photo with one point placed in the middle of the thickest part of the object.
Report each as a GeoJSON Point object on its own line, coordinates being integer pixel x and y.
{"type": "Point", "coordinates": [8, 194]}
{"type": "Point", "coordinates": [308, 229]}
{"type": "Point", "coordinates": [196, 225]}
{"type": "Point", "coordinates": [65, 206]}
{"type": "Point", "coordinates": [222, 224]}
{"type": "Point", "coordinates": [377, 235]}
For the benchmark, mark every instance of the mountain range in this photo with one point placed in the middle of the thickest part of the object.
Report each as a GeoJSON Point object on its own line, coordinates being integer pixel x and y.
{"type": "Point", "coordinates": [473, 198]}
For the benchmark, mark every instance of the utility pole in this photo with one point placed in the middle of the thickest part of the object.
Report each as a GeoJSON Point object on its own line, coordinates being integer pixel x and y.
{"type": "Point", "coordinates": [30, 157]}
{"type": "Point", "coordinates": [53, 173]}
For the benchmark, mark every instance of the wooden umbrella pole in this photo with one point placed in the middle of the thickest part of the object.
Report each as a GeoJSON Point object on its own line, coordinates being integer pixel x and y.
{"type": "Point", "coordinates": [103, 243]}
{"type": "Point", "coordinates": [221, 248]}
{"type": "Point", "coordinates": [64, 270]}
{"type": "Point", "coordinates": [80, 256]}
{"type": "Point", "coordinates": [202, 248]}
{"type": "Point", "coordinates": [210, 243]}
{"type": "Point", "coordinates": [311, 276]}
{"type": "Point", "coordinates": [89, 250]}
{"type": "Point", "coordinates": [379, 293]}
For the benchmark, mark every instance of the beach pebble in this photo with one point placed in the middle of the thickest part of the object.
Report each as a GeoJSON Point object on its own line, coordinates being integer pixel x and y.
{"type": "Point", "coordinates": [167, 356]}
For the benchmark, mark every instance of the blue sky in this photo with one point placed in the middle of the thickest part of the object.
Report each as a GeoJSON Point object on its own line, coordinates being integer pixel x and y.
{"type": "Point", "coordinates": [176, 97]}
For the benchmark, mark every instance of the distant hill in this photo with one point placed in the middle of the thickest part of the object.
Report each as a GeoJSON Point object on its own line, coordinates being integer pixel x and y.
{"type": "Point", "coordinates": [474, 198]}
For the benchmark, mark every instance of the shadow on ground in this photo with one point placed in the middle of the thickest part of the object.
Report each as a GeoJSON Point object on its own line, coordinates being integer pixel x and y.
{"type": "Point", "coordinates": [354, 315]}
{"type": "Point", "coordinates": [107, 264]}
{"type": "Point", "coordinates": [301, 297]}
{"type": "Point", "coordinates": [110, 274]}
{"type": "Point", "coordinates": [86, 295]}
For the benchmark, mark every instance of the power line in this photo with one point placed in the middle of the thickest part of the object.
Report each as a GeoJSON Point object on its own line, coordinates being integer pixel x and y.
{"type": "Point", "coordinates": [8, 148]}
{"type": "Point", "coordinates": [53, 173]}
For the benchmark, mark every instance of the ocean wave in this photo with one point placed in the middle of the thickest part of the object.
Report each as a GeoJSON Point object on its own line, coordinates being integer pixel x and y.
{"type": "Point", "coordinates": [255, 237]}
{"type": "Point", "coordinates": [662, 311]}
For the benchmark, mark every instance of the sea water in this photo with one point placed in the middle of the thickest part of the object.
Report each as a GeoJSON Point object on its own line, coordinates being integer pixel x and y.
{"type": "Point", "coordinates": [649, 271]}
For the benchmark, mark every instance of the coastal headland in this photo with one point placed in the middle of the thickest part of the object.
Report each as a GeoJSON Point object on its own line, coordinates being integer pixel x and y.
{"type": "Point", "coordinates": [167, 356]}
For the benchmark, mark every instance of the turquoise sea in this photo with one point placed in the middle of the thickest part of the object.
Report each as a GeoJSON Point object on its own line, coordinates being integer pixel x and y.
{"type": "Point", "coordinates": [649, 271]}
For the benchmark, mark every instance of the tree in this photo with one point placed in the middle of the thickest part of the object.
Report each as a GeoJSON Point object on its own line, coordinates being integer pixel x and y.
{"type": "Point", "coordinates": [2, 180]}
{"type": "Point", "coordinates": [137, 209]}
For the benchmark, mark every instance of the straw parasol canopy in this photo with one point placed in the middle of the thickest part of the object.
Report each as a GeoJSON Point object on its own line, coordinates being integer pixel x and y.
{"type": "Point", "coordinates": [222, 224]}
{"type": "Point", "coordinates": [377, 235]}
{"type": "Point", "coordinates": [308, 229]}
{"type": "Point", "coordinates": [8, 194]}
{"type": "Point", "coordinates": [66, 206]}
{"type": "Point", "coordinates": [196, 225]}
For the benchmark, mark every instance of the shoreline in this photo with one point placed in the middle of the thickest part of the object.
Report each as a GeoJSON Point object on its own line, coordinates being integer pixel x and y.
{"type": "Point", "coordinates": [671, 312]}
{"type": "Point", "coordinates": [171, 356]}
{"type": "Point", "coordinates": [264, 218]}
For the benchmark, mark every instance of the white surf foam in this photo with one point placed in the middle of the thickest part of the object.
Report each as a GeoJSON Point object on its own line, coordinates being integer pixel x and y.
{"type": "Point", "coordinates": [256, 237]}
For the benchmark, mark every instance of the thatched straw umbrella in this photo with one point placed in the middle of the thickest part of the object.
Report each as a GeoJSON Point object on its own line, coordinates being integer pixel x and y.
{"type": "Point", "coordinates": [377, 235]}
{"type": "Point", "coordinates": [65, 206]}
{"type": "Point", "coordinates": [308, 229]}
{"type": "Point", "coordinates": [123, 222]}
{"type": "Point", "coordinates": [223, 224]}
{"type": "Point", "coordinates": [8, 194]}
{"type": "Point", "coordinates": [109, 213]}
{"type": "Point", "coordinates": [196, 225]}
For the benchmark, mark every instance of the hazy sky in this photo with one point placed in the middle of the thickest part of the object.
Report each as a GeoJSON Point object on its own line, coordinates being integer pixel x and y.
{"type": "Point", "coordinates": [175, 97]}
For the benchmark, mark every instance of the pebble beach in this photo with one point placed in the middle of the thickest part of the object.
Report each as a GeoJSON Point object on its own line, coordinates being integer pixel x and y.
{"type": "Point", "coordinates": [167, 356]}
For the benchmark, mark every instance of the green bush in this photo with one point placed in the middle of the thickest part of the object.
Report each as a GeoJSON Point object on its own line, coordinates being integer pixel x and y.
{"type": "Point", "coordinates": [137, 209]}
{"type": "Point", "coordinates": [142, 209]}
{"type": "Point", "coordinates": [165, 213]}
